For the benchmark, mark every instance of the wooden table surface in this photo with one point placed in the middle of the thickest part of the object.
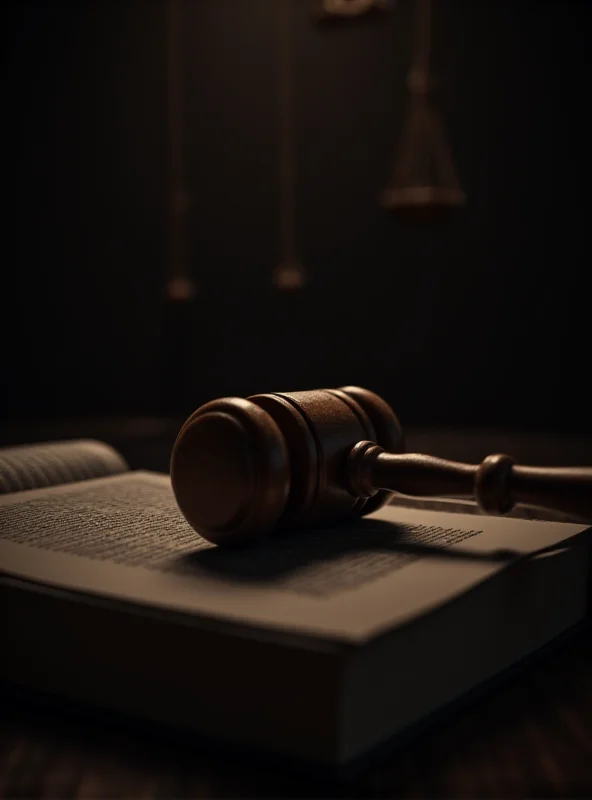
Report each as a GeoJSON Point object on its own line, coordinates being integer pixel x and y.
{"type": "Point", "coordinates": [530, 737]}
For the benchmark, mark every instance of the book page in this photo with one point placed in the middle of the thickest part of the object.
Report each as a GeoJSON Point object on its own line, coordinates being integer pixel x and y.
{"type": "Point", "coordinates": [33, 466]}
{"type": "Point", "coordinates": [124, 538]}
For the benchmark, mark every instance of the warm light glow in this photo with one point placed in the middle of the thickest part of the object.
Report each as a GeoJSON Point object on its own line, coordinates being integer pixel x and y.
{"type": "Point", "coordinates": [181, 289]}
{"type": "Point", "coordinates": [352, 8]}
{"type": "Point", "coordinates": [289, 276]}
{"type": "Point", "coordinates": [424, 183]}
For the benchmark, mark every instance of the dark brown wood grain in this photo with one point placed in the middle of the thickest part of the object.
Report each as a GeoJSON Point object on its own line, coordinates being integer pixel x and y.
{"type": "Point", "coordinates": [242, 469]}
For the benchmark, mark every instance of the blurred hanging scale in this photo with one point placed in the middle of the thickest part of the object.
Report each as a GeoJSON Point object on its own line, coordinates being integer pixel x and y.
{"type": "Point", "coordinates": [424, 185]}
{"type": "Point", "coordinates": [289, 274]}
{"type": "Point", "coordinates": [180, 285]}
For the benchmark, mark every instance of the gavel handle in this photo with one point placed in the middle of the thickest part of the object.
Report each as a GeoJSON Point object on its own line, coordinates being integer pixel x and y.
{"type": "Point", "coordinates": [497, 484]}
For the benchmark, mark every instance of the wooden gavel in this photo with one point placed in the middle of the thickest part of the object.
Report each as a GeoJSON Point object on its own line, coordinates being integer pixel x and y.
{"type": "Point", "coordinates": [243, 468]}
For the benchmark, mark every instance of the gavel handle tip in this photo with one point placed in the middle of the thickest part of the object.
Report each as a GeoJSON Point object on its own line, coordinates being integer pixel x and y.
{"type": "Point", "coordinates": [493, 484]}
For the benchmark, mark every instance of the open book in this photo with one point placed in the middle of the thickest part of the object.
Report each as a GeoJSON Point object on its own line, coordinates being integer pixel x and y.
{"type": "Point", "coordinates": [316, 644]}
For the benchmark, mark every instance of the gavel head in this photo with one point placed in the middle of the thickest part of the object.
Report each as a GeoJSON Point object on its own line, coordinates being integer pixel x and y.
{"type": "Point", "coordinates": [242, 468]}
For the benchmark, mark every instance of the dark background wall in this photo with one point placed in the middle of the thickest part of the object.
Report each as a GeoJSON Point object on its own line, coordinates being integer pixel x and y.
{"type": "Point", "coordinates": [483, 320]}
